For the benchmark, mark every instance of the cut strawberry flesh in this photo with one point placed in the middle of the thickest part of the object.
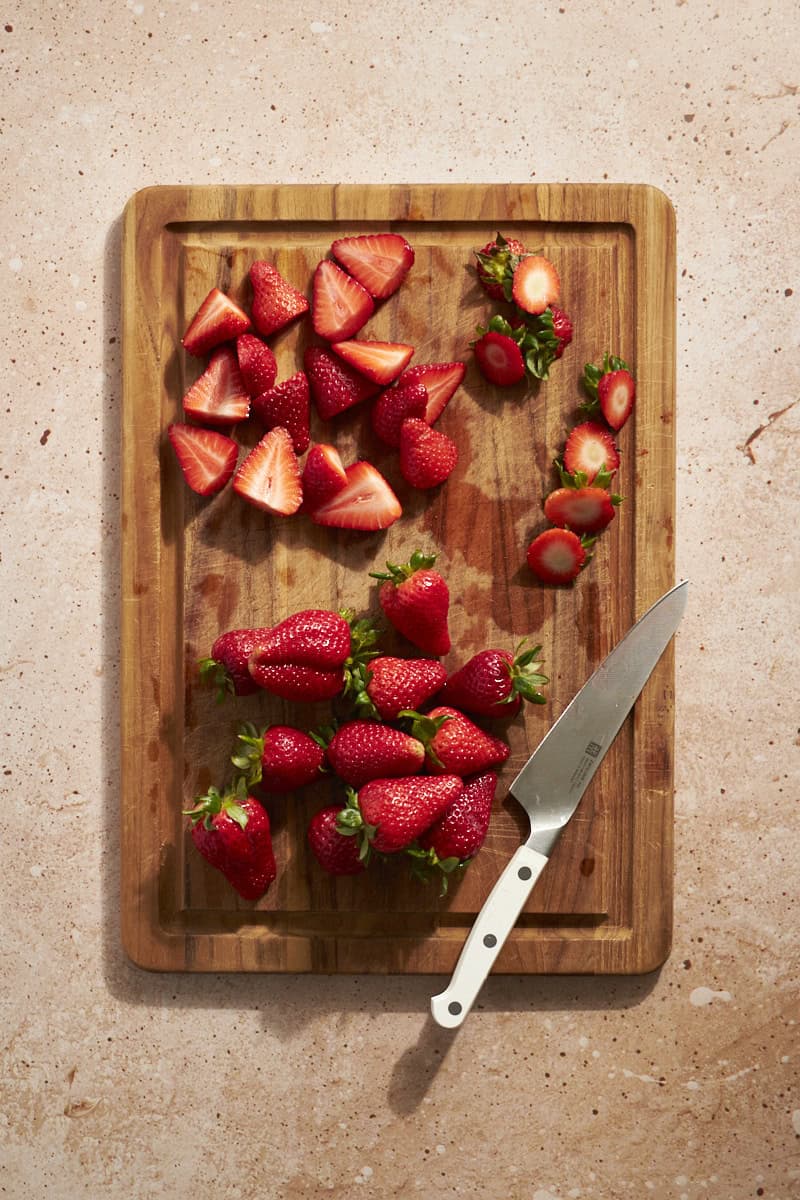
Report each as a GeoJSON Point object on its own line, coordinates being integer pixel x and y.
{"type": "Point", "coordinates": [365, 502]}
{"type": "Point", "coordinates": [207, 458]}
{"type": "Point", "coordinates": [616, 392]}
{"type": "Point", "coordinates": [218, 396]}
{"type": "Point", "coordinates": [556, 555]}
{"type": "Point", "coordinates": [440, 380]}
{"type": "Point", "coordinates": [269, 477]}
{"type": "Point", "coordinates": [340, 305]}
{"type": "Point", "coordinates": [583, 510]}
{"type": "Point", "coordinates": [590, 448]}
{"type": "Point", "coordinates": [500, 359]}
{"type": "Point", "coordinates": [535, 285]}
{"type": "Point", "coordinates": [381, 362]}
{"type": "Point", "coordinates": [217, 320]}
{"type": "Point", "coordinates": [378, 261]}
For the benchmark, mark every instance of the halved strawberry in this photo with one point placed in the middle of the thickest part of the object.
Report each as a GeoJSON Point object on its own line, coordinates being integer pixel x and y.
{"type": "Point", "coordinates": [583, 509]}
{"type": "Point", "coordinates": [557, 555]}
{"type": "Point", "coordinates": [218, 396]}
{"type": "Point", "coordinates": [590, 452]}
{"type": "Point", "coordinates": [269, 477]}
{"type": "Point", "coordinates": [335, 386]}
{"type": "Point", "coordinates": [340, 305]}
{"type": "Point", "coordinates": [381, 362]}
{"type": "Point", "coordinates": [275, 301]}
{"type": "Point", "coordinates": [257, 364]}
{"type": "Point", "coordinates": [616, 393]}
{"type": "Point", "coordinates": [500, 359]}
{"type": "Point", "coordinates": [440, 381]}
{"type": "Point", "coordinates": [323, 475]}
{"type": "Point", "coordinates": [535, 284]}
{"type": "Point", "coordinates": [286, 404]}
{"type": "Point", "coordinates": [217, 320]}
{"type": "Point", "coordinates": [207, 458]}
{"type": "Point", "coordinates": [365, 502]}
{"type": "Point", "coordinates": [427, 457]}
{"type": "Point", "coordinates": [393, 407]}
{"type": "Point", "coordinates": [378, 261]}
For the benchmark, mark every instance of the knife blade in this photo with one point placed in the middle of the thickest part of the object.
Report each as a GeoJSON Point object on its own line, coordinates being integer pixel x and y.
{"type": "Point", "coordinates": [550, 786]}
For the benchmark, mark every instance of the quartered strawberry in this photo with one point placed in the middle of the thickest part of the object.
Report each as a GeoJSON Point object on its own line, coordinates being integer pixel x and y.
{"type": "Point", "coordinates": [496, 262]}
{"type": "Point", "coordinates": [427, 456]}
{"type": "Point", "coordinates": [557, 555]}
{"type": "Point", "coordinates": [455, 744]}
{"type": "Point", "coordinates": [275, 301]}
{"type": "Point", "coordinates": [366, 502]}
{"type": "Point", "coordinates": [448, 845]}
{"type": "Point", "coordinates": [378, 261]}
{"type": "Point", "coordinates": [280, 758]}
{"type": "Point", "coordinates": [231, 831]}
{"type": "Point", "coordinates": [207, 458]}
{"type": "Point", "coordinates": [286, 404]}
{"type": "Point", "coordinates": [381, 362]}
{"type": "Point", "coordinates": [334, 385]}
{"type": "Point", "coordinates": [363, 750]}
{"type": "Point", "coordinates": [582, 509]}
{"type": "Point", "coordinates": [323, 475]}
{"type": "Point", "coordinates": [499, 359]}
{"type": "Point", "coordinates": [269, 477]}
{"type": "Point", "coordinates": [335, 853]}
{"type": "Point", "coordinates": [612, 390]}
{"type": "Point", "coordinates": [226, 668]}
{"type": "Point", "coordinates": [389, 814]}
{"type": "Point", "coordinates": [493, 683]}
{"type": "Point", "coordinates": [256, 363]}
{"type": "Point", "coordinates": [340, 305]}
{"type": "Point", "coordinates": [388, 685]}
{"type": "Point", "coordinates": [416, 600]}
{"type": "Point", "coordinates": [393, 406]}
{"type": "Point", "coordinates": [535, 285]}
{"type": "Point", "coordinates": [440, 380]}
{"type": "Point", "coordinates": [217, 320]}
{"type": "Point", "coordinates": [562, 327]}
{"type": "Point", "coordinates": [218, 396]}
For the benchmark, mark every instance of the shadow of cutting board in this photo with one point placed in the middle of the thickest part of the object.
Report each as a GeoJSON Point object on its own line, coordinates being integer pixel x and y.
{"type": "Point", "coordinates": [194, 567]}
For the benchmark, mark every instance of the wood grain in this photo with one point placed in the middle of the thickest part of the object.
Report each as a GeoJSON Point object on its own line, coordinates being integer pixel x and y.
{"type": "Point", "coordinates": [193, 567]}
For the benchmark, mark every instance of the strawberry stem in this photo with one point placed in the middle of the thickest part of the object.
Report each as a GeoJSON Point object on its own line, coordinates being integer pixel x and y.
{"type": "Point", "coordinates": [215, 674]}
{"type": "Point", "coordinates": [351, 823]}
{"type": "Point", "coordinates": [397, 573]}
{"type": "Point", "coordinates": [215, 802]}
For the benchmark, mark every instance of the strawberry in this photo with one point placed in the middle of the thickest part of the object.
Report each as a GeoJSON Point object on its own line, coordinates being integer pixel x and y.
{"type": "Point", "coordinates": [275, 301]}
{"type": "Point", "coordinates": [363, 750]}
{"type": "Point", "coordinates": [280, 758]}
{"type": "Point", "coordinates": [496, 263]}
{"type": "Point", "coordinates": [365, 502]}
{"type": "Point", "coordinates": [312, 655]}
{"type": "Point", "coordinates": [558, 555]}
{"type": "Point", "coordinates": [256, 363]}
{"type": "Point", "coordinates": [286, 404]}
{"type": "Point", "coordinates": [387, 685]}
{"type": "Point", "coordinates": [448, 845]}
{"type": "Point", "coordinates": [456, 745]}
{"type": "Point", "coordinates": [335, 386]}
{"type": "Point", "coordinates": [381, 362]}
{"type": "Point", "coordinates": [440, 380]}
{"type": "Point", "coordinates": [231, 831]}
{"type": "Point", "coordinates": [389, 814]}
{"type": "Point", "coordinates": [534, 337]}
{"type": "Point", "coordinates": [427, 456]}
{"type": "Point", "coordinates": [612, 390]}
{"type": "Point", "coordinates": [562, 328]}
{"type": "Point", "coordinates": [590, 455]}
{"type": "Point", "coordinates": [226, 668]}
{"type": "Point", "coordinates": [206, 457]}
{"type": "Point", "coordinates": [416, 600]}
{"type": "Point", "coordinates": [499, 359]}
{"type": "Point", "coordinates": [307, 685]}
{"type": "Point", "coordinates": [535, 284]}
{"type": "Point", "coordinates": [218, 396]}
{"type": "Point", "coordinates": [340, 305]}
{"type": "Point", "coordinates": [217, 320]}
{"type": "Point", "coordinates": [378, 261]}
{"type": "Point", "coordinates": [335, 853]}
{"type": "Point", "coordinates": [493, 683]}
{"type": "Point", "coordinates": [269, 477]}
{"type": "Point", "coordinates": [393, 406]}
{"type": "Point", "coordinates": [581, 509]}
{"type": "Point", "coordinates": [323, 476]}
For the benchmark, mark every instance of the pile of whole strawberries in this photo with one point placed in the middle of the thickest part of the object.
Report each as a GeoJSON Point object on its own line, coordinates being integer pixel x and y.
{"type": "Point", "coordinates": [417, 771]}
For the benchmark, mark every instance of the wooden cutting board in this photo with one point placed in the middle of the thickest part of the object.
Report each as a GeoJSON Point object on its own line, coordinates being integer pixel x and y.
{"type": "Point", "coordinates": [194, 567]}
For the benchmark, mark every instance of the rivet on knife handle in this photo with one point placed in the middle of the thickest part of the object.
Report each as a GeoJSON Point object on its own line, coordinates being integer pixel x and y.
{"type": "Point", "coordinates": [485, 941]}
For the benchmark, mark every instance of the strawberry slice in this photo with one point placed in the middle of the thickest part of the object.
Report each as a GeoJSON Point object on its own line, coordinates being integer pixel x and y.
{"type": "Point", "coordinates": [557, 555]}
{"type": "Point", "coordinates": [440, 380]}
{"type": "Point", "coordinates": [583, 509]}
{"type": "Point", "coordinates": [500, 359]}
{"type": "Point", "coordinates": [275, 301]}
{"type": "Point", "coordinates": [340, 305]}
{"type": "Point", "coordinates": [217, 320]}
{"type": "Point", "coordinates": [616, 393]}
{"type": "Point", "coordinates": [207, 458]}
{"type": "Point", "coordinates": [257, 364]}
{"type": "Point", "coordinates": [286, 404]}
{"type": "Point", "coordinates": [378, 261]}
{"type": "Point", "coordinates": [335, 386]}
{"type": "Point", "coordinates": [535, 284]}
{"type": "Point", "coordinates": [365, 502]}
{"type": "Point", "coordinates": [269, 477]}
{"type": "Point", "coordinates": [427, 457]}
{"type": "Point", "coordinates": [381, 362]}
{"type": "Point", "coordinates": [591, 452]}
{"type": "Point", "coordinates": [218, 396]}
{"type": "Point", "coordinates": [393, 407]}
{"type": "Point", "coordinates": [323, 476]}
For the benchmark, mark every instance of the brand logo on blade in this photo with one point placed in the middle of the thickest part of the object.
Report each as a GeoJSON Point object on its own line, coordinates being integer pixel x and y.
{"type": "Point", "coordinates": [593, 749]}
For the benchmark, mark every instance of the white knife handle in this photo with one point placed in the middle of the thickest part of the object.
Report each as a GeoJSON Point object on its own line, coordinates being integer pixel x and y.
{"type": "Point", "coordinates": [485, 940]}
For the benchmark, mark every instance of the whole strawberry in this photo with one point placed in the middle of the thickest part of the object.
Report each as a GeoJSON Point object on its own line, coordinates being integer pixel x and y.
{"type": "Point", "coordinates": [456, 746]}
{"type": "Point", "coordinates": [280, 759]}
{"type": "Point", "coordinates": [312, 654]}
{"type": "Point", "coordinates": [493, 683]}
{"type": "Point", "coordinates": [387, 685]}
{"type": "Point", "coordinates": [416, 600]}
{"type": "Point", "coordinates": [449, 844]}
{"type": "Point", "coordinates": [226, 668]}
{"type": "Point", "coordinates": [335, 853]}
{"type": "Point", "coordinates": [231, 831]}
{"type": "Point", "coordinates": [363, 750]}
{"type": "Point", "coordinates": [389, 814]}
{"type": "Point", "coordinates": [496, 262]}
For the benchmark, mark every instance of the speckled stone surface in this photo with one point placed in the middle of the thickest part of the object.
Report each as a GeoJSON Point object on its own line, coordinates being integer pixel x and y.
{"type": "Point", "coordinates": [681, 1085]}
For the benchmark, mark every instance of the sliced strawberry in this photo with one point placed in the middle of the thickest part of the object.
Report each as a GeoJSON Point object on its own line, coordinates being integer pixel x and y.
{"type": "Point", "coordinates": [583, 509]}
{"type": "Point", "coordinates": [275, 301]}
{"type": "Point", "coordinates": [269, 477]}
{"type": "Point", "coordinates": [440, 380]}
{"type": "Point", "coordinates": [335, 386]}
{"type": "Point", "coordinates": [535, 285]}
{"type": "Point", "coordinates": [340, 305]}
{"type": "Point", "coordinates": [365, 502]}
{"type": "Point", "coordinates": [590, 451]}
{"type": "Point", "coordinates": [286, 404]}
{"type": "Point", "coordinates": [378, 261]}
{"type": "Point", "coordinates": [323, 476]}
{"type": "Point", "coordinates": [381, 362]}
{"type": "Point", "coordinates": [557, 555]}
{"type": "Point", "coordinates": [393, 406]}
{"type": "Point", "coordinates": [427, 457]}
{"type": "Point", "coordinates": [207, 458]}
{"type": "Point", "coordinates": [616, 393]}
{"type": "Point", "coordinates": [500, 359]}
{"type": "Point", "coordinates": [218, 396]}
{"type": "Point", "coordinates": [257, 364]}
{"type": "Point", "coordinates": [217, 320]}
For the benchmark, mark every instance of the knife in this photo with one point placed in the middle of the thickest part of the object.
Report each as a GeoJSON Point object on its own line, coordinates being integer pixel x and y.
{"type": "Point", "coordinates": [550, 785]}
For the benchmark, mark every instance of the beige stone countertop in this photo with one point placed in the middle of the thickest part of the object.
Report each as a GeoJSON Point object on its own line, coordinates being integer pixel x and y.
{"type": "Point", "coordinates": [680, 1085]}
